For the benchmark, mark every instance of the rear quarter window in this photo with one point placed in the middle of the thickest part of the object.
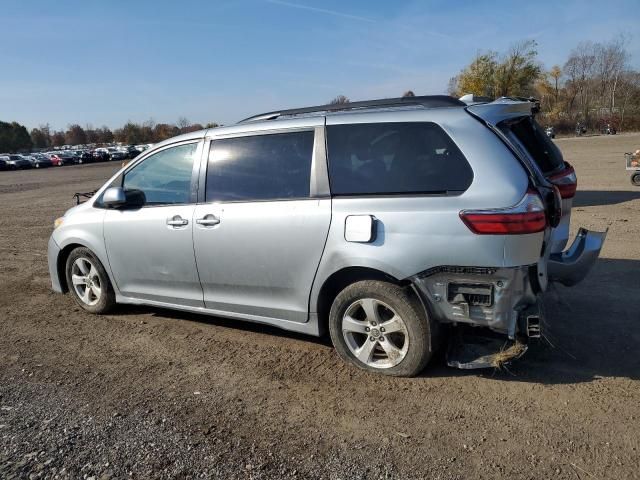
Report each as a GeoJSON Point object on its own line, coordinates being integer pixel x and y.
{"type": "Point", "coordinates": [395, 158]}
{"type": "Point", "coordinates": [536, 142]}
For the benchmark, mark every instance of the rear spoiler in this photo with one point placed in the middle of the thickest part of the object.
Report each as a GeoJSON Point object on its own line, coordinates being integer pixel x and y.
{"type": "Point", "coordinates": [503, 108]}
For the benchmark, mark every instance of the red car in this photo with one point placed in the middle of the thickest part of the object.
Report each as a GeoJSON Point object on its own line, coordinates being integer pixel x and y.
{"type": "Point", "coordinates": [58, 160]}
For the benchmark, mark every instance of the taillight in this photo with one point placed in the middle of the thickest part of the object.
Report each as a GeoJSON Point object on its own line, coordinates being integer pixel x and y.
{"type": "Point", "coordinates": [528, 216]}
{"type": "Point", "coordinates": [566, 181]}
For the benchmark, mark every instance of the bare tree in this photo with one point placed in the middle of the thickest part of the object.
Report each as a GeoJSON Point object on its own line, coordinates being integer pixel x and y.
{"type": "Point", "coordinates": [629, 93]}
{"type": "Point", "coordinates": [580, 70]}
{"type": "Point", "coordinates": [408, 93]}
{"type": "Point", "coordinates": [182, 124]}
{"type": "Point", "coordinates": [339, 100]}
{"type": "Point", "coordinates": [555, 73]}
{"type": "Point", "coordinates": [611, 59]}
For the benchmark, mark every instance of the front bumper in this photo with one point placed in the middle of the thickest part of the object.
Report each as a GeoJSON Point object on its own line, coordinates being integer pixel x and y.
{"type": "Point", "coordinates": [572, 266]}
{"type": "Point", "coordinates": [53, 251]}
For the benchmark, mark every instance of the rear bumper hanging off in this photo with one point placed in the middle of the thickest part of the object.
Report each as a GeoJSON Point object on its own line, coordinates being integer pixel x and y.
{"type": "Point", "coordinates": [571, 266]}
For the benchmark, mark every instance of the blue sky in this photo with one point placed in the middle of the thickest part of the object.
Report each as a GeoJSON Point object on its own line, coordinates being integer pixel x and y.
{"type": "Point", "coordinates": [106, 62]}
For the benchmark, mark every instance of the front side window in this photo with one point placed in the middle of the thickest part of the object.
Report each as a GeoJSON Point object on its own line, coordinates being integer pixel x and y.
{"type": "Point", "coordinates": [164, 177]}
{"type": "Point", "coordinates": [395, 158]}
{"type": "Point", "coordinates": [260, 167]}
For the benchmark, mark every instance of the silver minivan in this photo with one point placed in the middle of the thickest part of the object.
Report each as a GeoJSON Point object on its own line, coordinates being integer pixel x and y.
{"type": "Point", "coordinates": [385, 223]}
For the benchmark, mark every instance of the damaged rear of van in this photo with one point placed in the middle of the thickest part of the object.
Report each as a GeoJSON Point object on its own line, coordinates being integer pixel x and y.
{"type": "Point", "coordinates": [383, 222]}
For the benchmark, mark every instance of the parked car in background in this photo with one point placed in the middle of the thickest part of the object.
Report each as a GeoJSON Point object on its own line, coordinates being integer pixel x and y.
{"type": "Point", "coordinates": [3, 164]}
{"type": "Point", "coordinates": [59, 159]}
{"type": "Point", "coordinates": [56, 161]}
{"type": "Point", "coordinates": [86, 157]}
{"type": "Point", "coordinates": [141, 148]}
{"type": "Point", "coordinates": [101, 154]}
{"type": "Point", "coordinates": [380, 222]}
{"type": "Point", "coordinates": [38, 160]}
{"type": "Point", "coordinates": [131, 151]}
{"type": "Point", "coordinates": [116, 154]}
{"type": "Point", "coordinates": [77, 156]}
{"type": "Point", "coordinates": [71, 154]}
{"type": "Point", "coordinates": [17, 162]}
{"type": "Point", "coordinates": [67, 158]}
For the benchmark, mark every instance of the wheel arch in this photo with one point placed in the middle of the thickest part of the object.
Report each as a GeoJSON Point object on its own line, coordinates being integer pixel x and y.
{"type": "Point", "coordinates": [61, 262]}
{"type": "Point", "coordinates": [340, 279]}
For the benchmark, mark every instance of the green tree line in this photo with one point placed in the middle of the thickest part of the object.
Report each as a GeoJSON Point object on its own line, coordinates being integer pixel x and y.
{"type": "Point", "coordinates": [16, 138]}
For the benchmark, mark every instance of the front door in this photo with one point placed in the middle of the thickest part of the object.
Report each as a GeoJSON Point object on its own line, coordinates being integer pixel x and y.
{"type": "Point", "coordinates": [150, 249]}
{"type": "Point", "coordinates": [260, 233]}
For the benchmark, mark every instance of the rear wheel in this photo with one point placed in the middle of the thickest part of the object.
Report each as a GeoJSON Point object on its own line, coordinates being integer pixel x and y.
{"type": "Point", "coordinates": [635, 179]}
{"type": "Point", "coordinates": [381, 327]}
{"type": "Point", "coordinates": [88, 281]}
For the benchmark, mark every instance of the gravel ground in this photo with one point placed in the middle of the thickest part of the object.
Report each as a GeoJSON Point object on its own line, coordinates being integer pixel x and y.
{"type": "Point", "coordinates": [149, 393]}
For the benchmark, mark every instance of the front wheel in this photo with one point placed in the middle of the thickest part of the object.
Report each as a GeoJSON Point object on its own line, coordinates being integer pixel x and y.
{"type": "Point", "coordinates": [88, 281]}
{"type": "Point", "coordinates": [381, 327]}
{"type": "Point", "coordinates": [635, 179]}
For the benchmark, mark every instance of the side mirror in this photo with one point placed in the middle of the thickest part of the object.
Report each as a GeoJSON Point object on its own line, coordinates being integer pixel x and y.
{"type": "Point", "coordinates": [118, 197]}
{"type": "Point", "coordinates": [114, 197]}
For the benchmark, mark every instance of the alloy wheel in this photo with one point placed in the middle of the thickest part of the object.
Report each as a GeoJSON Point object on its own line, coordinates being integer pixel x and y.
{"type": "Point", "coordinates": [374, 333]}
{"type": "Point", "coordinates": [86, 281]}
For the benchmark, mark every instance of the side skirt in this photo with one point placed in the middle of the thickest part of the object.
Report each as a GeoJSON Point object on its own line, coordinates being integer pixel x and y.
{"type": "Point", "coordinates": [309, 328]}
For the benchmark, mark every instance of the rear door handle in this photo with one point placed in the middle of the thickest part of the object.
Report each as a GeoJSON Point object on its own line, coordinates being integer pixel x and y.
{"type": "Point", "coordinates": [209, 220]}
{"type": "Point", "coordinates": [177, 221]}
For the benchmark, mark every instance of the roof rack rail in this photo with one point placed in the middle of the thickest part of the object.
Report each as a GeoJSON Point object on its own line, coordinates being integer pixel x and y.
{"type": "Point", "coordinates": [427, 101]}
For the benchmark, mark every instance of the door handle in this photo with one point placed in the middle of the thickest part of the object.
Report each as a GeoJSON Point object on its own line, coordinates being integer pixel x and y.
{"type": "Point", "coordinates": [177, 221]}
{"type": "Point", "coordinates": [209, 220]}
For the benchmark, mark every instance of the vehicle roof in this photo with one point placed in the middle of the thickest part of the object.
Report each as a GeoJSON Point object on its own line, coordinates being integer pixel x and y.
{"type": "Point", "coordinates": [426, 101]}
{"type": "Point", "coordinates": [314, 116]}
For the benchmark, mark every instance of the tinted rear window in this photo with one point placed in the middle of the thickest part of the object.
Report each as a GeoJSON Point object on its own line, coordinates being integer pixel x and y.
{"type": "Point", "coordinates": [539, 146]}
{"type": "Point", "coordinates": [261, 167]}
{"type": "Point", "coordinates": [395, 158]}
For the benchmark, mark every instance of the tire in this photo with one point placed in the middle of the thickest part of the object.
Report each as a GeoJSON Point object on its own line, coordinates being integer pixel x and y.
{"type": "Point", "coordinates": [635, 179]}
{"type": "Point", "coordinates": [83, 263]}
{"type": "Point", "coordinates": [355, 333]}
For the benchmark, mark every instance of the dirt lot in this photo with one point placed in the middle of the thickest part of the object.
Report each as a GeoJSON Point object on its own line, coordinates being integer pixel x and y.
{"type": "Point", "coordinates": [151, 393]}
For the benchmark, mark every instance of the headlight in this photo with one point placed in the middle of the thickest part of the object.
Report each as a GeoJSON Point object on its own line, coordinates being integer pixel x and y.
{"type": "Point", "coordinates": [58, 222]}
